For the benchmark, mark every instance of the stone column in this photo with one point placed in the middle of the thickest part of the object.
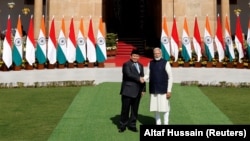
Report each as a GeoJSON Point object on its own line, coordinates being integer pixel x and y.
{"type": "Point", "coordinates": [38, 9]}
{"type": "Point", "coordinates": [225, 10]}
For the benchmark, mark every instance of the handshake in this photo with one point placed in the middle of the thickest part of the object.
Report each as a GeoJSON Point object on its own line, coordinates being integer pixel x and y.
{"type": "Point", "coordinates": [142, 80]}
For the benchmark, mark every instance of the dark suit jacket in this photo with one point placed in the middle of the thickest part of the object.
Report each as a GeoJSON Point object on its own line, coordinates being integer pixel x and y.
{"type": "Point", "coordinates": [131, 85]}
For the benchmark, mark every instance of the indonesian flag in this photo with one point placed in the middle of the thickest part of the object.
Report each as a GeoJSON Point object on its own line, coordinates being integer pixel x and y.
{"type": "Point", "coordinates": [52, 44]}
{"type": "Point", "coordinates": [71, 44]}
{"type": "Point", "coordinates": [17, 52]}
{"type": "Point", "coordinates": [186, 45]}
{"type": "Point", "coordinates": [61, 46]}
{"type": "Point", "coordinates": [81, 44]}
{"type": "Point", "coordinates": [197, 40]}
{"type": "Point", "coordinates": [91, 54]}
{"type": "Point", "coordinates": [30, 44]}
{"type": "Point", "coordinates": [174, 41]}
{"type": "Point", "coordinates": [219, 40]}
{"type": "Point", "coordinates": [7, 48]}
{"type": "Point", "coordinates": [165, 45]}
{"type": "Point", "coordinates": [248, 40]}
{"type": "Point", "coordinates": [229, 42]}
{"type": "Point", "coordinates": [41, 44]}
{"type": "Point", "coordinates": [208, 40]}
{"type": "Point", "coordinates": [101, 53]}
{"type": "Point", "coordinates": [239, 39]}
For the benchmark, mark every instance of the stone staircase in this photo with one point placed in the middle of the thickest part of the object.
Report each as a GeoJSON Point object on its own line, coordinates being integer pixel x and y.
{"type": "Point", "coordinates": [126, 45]}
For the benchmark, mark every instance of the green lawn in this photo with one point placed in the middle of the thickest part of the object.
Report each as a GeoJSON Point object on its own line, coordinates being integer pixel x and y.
{"type": "Point", "coordinates": [92, 112]}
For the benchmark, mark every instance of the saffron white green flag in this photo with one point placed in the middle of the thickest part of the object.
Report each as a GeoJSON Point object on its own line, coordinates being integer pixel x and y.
{"type": "Point", "coordinates": [208, 40]}
{"type": "Point", "coordinates": [41, 46]}
{"type": "Point", "coordinates": [81, 44]}
{"type": "Point", "coordinates": [91, 53]}
{"type": "Point", "coordinates": [197, 40]}
{"type": "Point", "coordinates": [239, 39]}
{"type": "Point", "coordinates": [101, 53]}
{"type": "Point", "coordinates": [71, 44]}
{"type": "Point", "coordinates": [165, 44]}
{"type": "Point", "coordinates": [219, 41]}
{"type": "Point", "coordinates": [61, 45]}
{"type": "Point", "coordinates": [7, 48]}
{"type": "Point", "coordinates": [17, 52]}
{"type": "Point", "coordinates": [30, 44]}
{"type": "Point", "coordinates": [186, 44]}
{"type": "Point", "coordinates": [174, 41]}
{"type": "Point", "coordinates": [229, 42]}
{"type": "Point", "coordinates": [52, 44]}
{"type": "Point", "coordinates": [248, 40]}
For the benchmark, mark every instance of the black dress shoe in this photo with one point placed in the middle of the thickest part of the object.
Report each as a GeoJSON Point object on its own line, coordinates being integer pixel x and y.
{"type": "Point", "coordinates": [122, 129]}
{"type": "Point", "coordinates": [134, 129]}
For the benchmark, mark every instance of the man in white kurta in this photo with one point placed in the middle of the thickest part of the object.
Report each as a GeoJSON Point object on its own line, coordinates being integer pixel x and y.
{"type": "Point", "coordinates": [160, 78]}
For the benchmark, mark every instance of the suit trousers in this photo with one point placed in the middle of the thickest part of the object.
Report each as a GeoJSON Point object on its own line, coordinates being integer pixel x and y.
{"type": "Point", "coordinates": [129, 111]}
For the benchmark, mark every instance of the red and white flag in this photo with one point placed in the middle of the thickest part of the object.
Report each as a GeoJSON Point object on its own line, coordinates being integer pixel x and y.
{"type": "Point", "coordinates": [229, 42]}
{"type": "Point", "coordinates": [197, 40]}
{"type": "Point", "coordinates": [174, 41]}
{"type": "Point", "coordinates": [165, 44]}
{"type": "Point", "coordinates": [208, 40]}
{"type": "Point", "coordinates": [7, 45]}
{"type": "Point", "coordinates": [186, 44]}
{"type": "Point", "coordinates": [219, 41]}
{"type": "Point", "coordinates": [52, 44]}
{"type": "Point", "coordinates": [91, 51]}
{"type": "Point", "coordinates": [71, 43]}
{"type": "Point", "coordinates": [81, 44]}
{"type": "Point", "coordinates": [30, 44]}
{"type": "Point", "coordinates": [17, 52]}
{"type": "Point", "coordinates": [239, 39]}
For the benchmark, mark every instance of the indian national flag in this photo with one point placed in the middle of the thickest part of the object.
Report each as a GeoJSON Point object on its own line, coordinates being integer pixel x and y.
{"type": "Point", "coordinates": [30, 44]}
{"type": "Point", "coordinates": [101, 53]}
{"type": "Point", "coordinates": [61, 46]}
{"type": "Point", "coordinates": [81, 45]}
{"type": "Point", "coordinates": [208, 40]}
{"type": "Point", "coordinates": [239, 39]}
{"type": "Point", "coordinates": [174, 41]}
{"type": "Point", "coordinates": [7, 48]}
{"type": "Point", "coordinates": [219, 40]}
{"type": "Point", "coordinates": [248, 40]}
{"type": "Point", "coordinates": [197, 40]}
{"type": "Point", "coordinates": [17, 52]}
{"type": "Point", "coordinates": [52, 44]}
{"type": "Point", "coordinates": [186, 44]}
{"type": "Point", "coordinates": [71, 44]}
{"type": "Point", "coordinates": [165, 44]}
{"type": "Point", "coordinates": [91, 53]}
{"type": "Point", "coordinates": [229, 42]}
{"type": "Point", "coordinates": [41, 44]}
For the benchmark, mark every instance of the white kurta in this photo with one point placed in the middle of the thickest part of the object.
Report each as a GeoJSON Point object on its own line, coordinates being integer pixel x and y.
{"type": "Point", "coordinates": [159, 102]}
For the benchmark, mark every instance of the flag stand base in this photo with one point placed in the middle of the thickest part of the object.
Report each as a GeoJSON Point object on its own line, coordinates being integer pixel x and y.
{"type": "Point", "coordinates": [60, 66]}
{"type": "Point", "coordinates": [28, 66]}
{"type": "Point", "coordinates": [80, 65]}
{"type": "Point", "coordinates": [4, 67]}
{"type": "Point", "coordinates": [175, 64]}
{"type": "Point", "coordinates": [71, 65]}
{"type": "Point", "coordinates": [186, 64]}
{"type": "Point", "coordinates": [230, 65]}
{"type": "Point", "coordinates": [209, 64]}
{"type": "Point", "coordinates": [17, 68]}
{"type": "Point", "coordinates": [240, 65]}
{"type": "Point", "coordinates": [51, 66]}
{"type": "Point", "coordinates": [101, 65]}
{"type": "Point", "coordinates": [90, 65]}
{"type": "Point", "coordinates": [197, 64]}
{"type": "Point", "coordinates": [219, 65]}
{"type": "Point", "coordinates": [40, 66]}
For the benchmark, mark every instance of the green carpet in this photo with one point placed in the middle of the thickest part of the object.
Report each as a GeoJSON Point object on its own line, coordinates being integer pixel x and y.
{"type": "Point", "coordinates": [94, 113]}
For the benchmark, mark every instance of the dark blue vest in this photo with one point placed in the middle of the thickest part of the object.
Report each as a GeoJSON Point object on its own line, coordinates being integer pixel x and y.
{"type": "Point", "coordinates": [158, 77]}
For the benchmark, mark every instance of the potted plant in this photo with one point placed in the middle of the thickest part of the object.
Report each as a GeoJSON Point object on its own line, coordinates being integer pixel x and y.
{"type": "Point", "coordinates": [111, 40]}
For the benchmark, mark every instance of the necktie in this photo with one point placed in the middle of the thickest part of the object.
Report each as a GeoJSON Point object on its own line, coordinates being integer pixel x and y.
{"type": "Point", "coordinates": [137, 67]}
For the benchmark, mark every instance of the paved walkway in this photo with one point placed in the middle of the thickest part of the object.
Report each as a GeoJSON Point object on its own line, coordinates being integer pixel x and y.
{"type": "Point", "coordinates": [99, 75]}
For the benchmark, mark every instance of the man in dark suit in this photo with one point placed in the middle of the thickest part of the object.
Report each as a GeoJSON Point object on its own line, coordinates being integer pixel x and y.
{"type": "Point", "coordinates": [132, 88]}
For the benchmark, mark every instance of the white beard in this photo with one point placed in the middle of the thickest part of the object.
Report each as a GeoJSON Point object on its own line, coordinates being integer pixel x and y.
{"type": "Point", "coordinates": [158, 58]}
